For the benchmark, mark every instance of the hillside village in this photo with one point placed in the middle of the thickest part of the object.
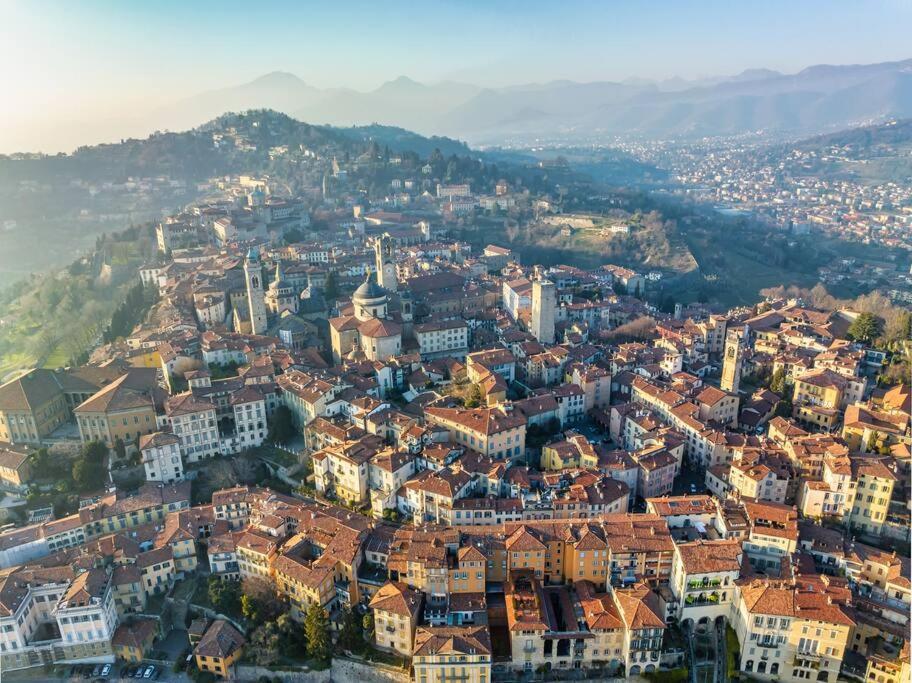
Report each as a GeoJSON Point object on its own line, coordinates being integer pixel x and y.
{"type": "Point", "coordinates": [344, 431]}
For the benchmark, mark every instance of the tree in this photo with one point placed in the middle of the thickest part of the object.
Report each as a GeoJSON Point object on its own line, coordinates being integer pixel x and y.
{"type": "Point", "coordinates": [266, 643]}
{"type": "Point", "coordinates": [777, 382]}
{"type": "Point", "coordinates": [281, 426]}
{"type": "Point", "coordinates": [89, 468]}
{"type": "Point", "coordinates": [259, 601]}
{"type": "Point", "coordinates": [225, 595]}
{"type": "Point", "coordinates": [783, 408]}
{"type": "Point", "coordinates": [316, 630]}
{"type": "Point", "coordinates": [351, 636]}
{"type": "Point", "coordinates": [331, 286]}
{"type": "Point", "coordinates": [897, 326]}
{"type": "Point", "coordinates": [367, 624]}
{"type": "Point", "coordinates": [474, 397]}
{"type": "Point", "coordinates": [865, 328]}
{"type": "Point", "coordinates": [250, 608]}
{"type": "Point", "coordinates": [871, 445]}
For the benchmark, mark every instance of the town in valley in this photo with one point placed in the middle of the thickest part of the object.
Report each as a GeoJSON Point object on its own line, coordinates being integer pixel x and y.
{"type": "Point", "coordinates": [282, 401]}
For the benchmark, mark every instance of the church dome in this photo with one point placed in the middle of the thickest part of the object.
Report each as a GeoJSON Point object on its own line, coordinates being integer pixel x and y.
{"type": "Point", "coordinates": [369, 290]}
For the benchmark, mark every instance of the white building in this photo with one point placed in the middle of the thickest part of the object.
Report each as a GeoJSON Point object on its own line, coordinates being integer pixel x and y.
{"type": "Point", "coordinates": [703, 576]}
{"type": "Point", "coordinates": [161, 457]}
{"type": "Point", "coordinates": [249, 407]}
{"type": "Point", "coordinates": [442, 339]}
{"type": "Point", "coordinates": [193, 421]}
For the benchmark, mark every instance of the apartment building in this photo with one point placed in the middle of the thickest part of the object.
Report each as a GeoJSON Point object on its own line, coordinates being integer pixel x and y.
{"type": "Point", "coordinates": [874, 481]}
{"type": "Point", "coordinates": [447, 653]}
{"type": "Point", "coordinates": [792, 630]}
{"type": "Point", "coordinates": [161, 457]}
{"type": "Point", "coordinates": [193, 420]}
{"type": "Point", "coordinates": [397, 611]}
{"type": "Point", "coordinates": [56, 614]}
{"type": "Point", "coordinates": [703, 579]}
{"type": "Point", "coordinates": [442, 339]}
{"type": "Point", "coordinates": [494, 432]}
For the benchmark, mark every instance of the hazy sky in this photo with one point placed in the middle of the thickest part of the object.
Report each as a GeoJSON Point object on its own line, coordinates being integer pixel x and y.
{"type": "Point", "coordinates": [73, 61]}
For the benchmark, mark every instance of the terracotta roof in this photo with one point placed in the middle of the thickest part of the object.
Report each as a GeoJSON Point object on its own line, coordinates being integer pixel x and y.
{"type": "Point", "coordinates": [398, 598]}
{"type": "Point", "coordinates": [220, 640]}
{"type": "Point", "coordinates": [452, 640]}
{"type": "Point", "coordinates": [706, 557]}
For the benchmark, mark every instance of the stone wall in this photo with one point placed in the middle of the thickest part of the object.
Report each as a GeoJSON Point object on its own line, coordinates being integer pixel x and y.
{"type": "Point", "coordinates": [343, 670]}
{"type": "Point", "coordinates": [351, 671]}
{"type": "Point", "coordinates": [252, 673]}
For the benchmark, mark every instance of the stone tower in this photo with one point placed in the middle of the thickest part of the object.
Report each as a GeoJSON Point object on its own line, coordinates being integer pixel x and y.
{"type": "Point", "coordinates": [544, 301]}
{"type": "Point", "coordinates": [256, 300]}
{"type": "Point", "coordinates": [735, 342]}
{"type": "Point", "coordinates": [386, 263]}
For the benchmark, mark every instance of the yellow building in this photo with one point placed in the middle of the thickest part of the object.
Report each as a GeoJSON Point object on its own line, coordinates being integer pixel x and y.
{"type": "Point", "coordinates": [494, 432]}
{"type": "Point", "coordinates": [31, 407]}
{"type": "Point", "coordinates": [132, 640]}
{"type": "Point", "coordinates": [888, 664]}
{"type": "Point", "coordinates": [34, 404]}
{"type": "Point", "coordinates": [573, 452]}
{"type": "Point", "coordinates": [866, 429]}
{"type": "Point", "coordinates": [792, 631]}
{"type": "Point", "coordinates": [255, 553]}
{"type": "Point", "coordinates": [869, 500]}
{"type": "Point", "coordinates": [219, 648]}
{"type": "Point", "coordinates": [397, 610]}
{"type": "Point", "coordinates": [123, 411]}
{"type": "Point", "coordinates": [450, 653]}
{"type": "Point", "coordinates": [467, 573]}
{"type": "Point", "coordinates": [819, 395]}
{"type": "Point", "coordinates": [14, 466]}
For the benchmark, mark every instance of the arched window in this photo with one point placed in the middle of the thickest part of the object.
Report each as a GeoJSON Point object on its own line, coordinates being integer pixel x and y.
{"type": "Point", "coordinates": [761, 668]}
{"type": "Point", "coordinates": [774, 668]}
{"type": "Point", "coordinates": [749, 665]}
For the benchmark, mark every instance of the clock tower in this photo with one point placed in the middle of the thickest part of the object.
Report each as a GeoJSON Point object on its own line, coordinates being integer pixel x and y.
{"type": "Point", "coordinates": [735, 342]}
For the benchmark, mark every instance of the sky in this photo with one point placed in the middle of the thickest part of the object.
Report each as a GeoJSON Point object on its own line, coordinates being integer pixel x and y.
{"type": "Point", "coordinates": [65, 64]}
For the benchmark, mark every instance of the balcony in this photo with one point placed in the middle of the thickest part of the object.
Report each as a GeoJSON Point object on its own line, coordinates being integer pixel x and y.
{"type": "Point", "coordinates": [701, 599]}
{"type": "Point", "coordinates": [703, 585]}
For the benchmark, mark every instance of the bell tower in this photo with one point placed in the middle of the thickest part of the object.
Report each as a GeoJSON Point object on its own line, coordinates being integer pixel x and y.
{"type": "Point", "coordinates": [256, 299]}
{"type": "Point", "coordinates": [386, 263]}
{"type": "Point", "coordinates": [735, 342]}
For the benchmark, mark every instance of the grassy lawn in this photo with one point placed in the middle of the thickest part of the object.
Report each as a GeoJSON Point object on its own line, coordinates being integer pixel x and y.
{"type": "Point", "coordinates": [57, 358]}
{"type": "Point", "coordinates": [13, 363]}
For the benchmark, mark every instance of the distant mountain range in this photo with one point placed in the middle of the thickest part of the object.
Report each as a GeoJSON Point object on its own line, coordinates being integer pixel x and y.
{"type": "Point", "coordinates": [815, 100]}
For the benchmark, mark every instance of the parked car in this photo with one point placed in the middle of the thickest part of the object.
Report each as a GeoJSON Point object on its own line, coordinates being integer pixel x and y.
{"type": "Point", "coordinates": [105, 670]}
{"type": "Point", "coordinates": [149, 671]}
